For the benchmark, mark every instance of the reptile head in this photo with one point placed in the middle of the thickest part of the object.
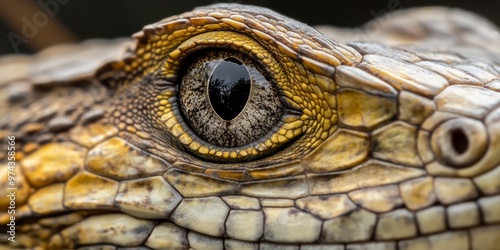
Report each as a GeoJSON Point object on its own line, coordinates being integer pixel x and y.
{"type": "Point", "coordinates": [234, 126]}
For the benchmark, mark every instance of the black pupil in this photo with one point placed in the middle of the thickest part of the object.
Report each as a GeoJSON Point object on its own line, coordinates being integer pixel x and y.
{"type": "Point", "coordinates": [229, 88]}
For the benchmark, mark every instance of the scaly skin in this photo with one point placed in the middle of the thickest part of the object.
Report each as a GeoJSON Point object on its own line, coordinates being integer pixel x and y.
{"type": "Point", "coordinates": [390, 147]}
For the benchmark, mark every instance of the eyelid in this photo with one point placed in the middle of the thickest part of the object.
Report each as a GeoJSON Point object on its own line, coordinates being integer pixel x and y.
{"type": "Point", "coordinates": [217, 39]}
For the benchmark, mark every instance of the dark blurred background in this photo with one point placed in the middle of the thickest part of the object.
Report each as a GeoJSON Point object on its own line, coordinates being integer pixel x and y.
{"type": "Point", "coordinates": [72, 20]}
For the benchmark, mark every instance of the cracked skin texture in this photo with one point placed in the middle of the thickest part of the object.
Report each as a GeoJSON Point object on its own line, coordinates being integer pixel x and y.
{"type": "Point", "coordinates": [392, 143]}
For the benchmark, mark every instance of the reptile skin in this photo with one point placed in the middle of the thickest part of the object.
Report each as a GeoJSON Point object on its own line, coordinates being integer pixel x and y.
{"type": "Point", "coordinates": [392, 142]}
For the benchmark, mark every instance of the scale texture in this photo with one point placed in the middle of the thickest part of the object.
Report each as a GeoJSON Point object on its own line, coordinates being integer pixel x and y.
{"type": "Point", "coordinates": [387, 137]}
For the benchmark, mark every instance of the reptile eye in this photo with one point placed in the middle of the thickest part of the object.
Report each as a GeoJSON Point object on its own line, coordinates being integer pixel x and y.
{"type": "Point", "coordinates": [227, 100]}
{"type": "Point", "coordinates": [230, 100]}
{"type": "Point", "coordinates": [460, 142]}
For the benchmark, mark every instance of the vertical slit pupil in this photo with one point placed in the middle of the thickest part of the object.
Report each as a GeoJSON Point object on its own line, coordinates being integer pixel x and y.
{"type": "Point", "coordinates": [459, 141]}
{"type": "Point", "coordinates": [229, 88]}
